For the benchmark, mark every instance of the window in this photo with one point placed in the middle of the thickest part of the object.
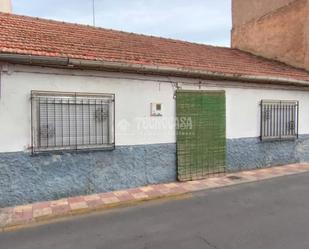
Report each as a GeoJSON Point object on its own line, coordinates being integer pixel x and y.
{"type": "Point", "coordinates": [71, 121]}
{"type": "Point", "coordinates": [279, 120]}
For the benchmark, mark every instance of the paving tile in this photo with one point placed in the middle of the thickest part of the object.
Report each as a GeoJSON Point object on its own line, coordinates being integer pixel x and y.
{"type": "Point", "coordinates": [110, 200]}
{"type": "Point", "coordinates": [41, 212]}
{"type": "Point", "coordinates": [163, 187]}
{"type": "Point", "coordinates": [277, 172]}
{"type": "Point", "coordinates": [154, 193]}
{"type": "Point", "coordinates": [146, 189]}
{"type": "Point", "coordinates": [106, 195]}
{"type": "Point", "coordinates": [126, 197]}
{"type": "Point", "coordinates": [76, 199]}
{"type": "Point", "coordinates": [303, 165]}
{"type": "Point", "coordinates": [171, 185]}
{"type": "Point", "coordinates": [59, 210]}
{"type": "Point", "coordinates": [202, 185]}
{"type": "Point", "coordinates": [213, 182]}
{"type": "Point", "coordinates": [78, 205]}
{"type": "Point", "coordinates": [23, 208]}
{"type": "Point", "coordinates": [62, 202]}
{"type": "Point", "coordinates": [300, 167]}
{"type": "Point", "coordinates": [140, 196]}
{"type": "Point", "coordinates": [166, 191]}
{"type": "Point", "coordinates": [92, 198]}
{"type": "Point", "coordinates": [179, 190]}
{"type": "Point", "coordinates": [189, 187]}
{"type": "Point", "coordinates": [225, 182]}
{"type": "Point", "coordinates": [121, 193]}
{"type": "Point", "coordinates": [41, 205]}
{"type": "Point", "coordinates": [5, 216]}
{"type": "Point", "coordinates": [194, 183]}
{"type": "Point", "coordinates": [22, 216]}
{"type": "Point", "coordinates": [5, 219]}
{"type": "Point", "coordinates": [135, 191]}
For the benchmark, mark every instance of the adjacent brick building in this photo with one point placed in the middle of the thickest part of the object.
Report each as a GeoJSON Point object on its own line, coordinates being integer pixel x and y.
{"type": "Point", "coordinates": [275, 29]}
{"type": "Point", "coordinates": [6, 6]}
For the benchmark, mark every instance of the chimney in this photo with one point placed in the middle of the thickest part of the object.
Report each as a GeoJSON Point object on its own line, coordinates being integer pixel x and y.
{"type": "Point", "coordinates": [275, 29]}
{"type": "Point", "coordinates": [6, 6]}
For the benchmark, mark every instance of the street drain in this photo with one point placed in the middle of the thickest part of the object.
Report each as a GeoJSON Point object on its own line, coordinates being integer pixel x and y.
{"type": "Point", "coordinates": [235, 178]}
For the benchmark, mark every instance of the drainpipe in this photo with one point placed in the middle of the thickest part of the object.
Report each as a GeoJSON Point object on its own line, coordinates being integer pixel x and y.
{"type": "Point", "coordinates": [63, 62]}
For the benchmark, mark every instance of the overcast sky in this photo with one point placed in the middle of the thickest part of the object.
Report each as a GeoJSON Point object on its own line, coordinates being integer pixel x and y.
{"type": "Point", "coordinates": [202, 21]}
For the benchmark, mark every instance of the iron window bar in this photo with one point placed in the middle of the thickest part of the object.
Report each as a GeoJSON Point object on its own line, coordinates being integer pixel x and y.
{"type": "Point", "coordinates": [63, 121]}
{"type": "Point", "coordinates": [279, 120]}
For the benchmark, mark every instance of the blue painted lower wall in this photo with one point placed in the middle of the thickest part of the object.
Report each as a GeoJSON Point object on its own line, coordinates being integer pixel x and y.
{"type": "Point", "coordinates": [251, 153]}
{"type": "Point", "coordinates": [25, 178]}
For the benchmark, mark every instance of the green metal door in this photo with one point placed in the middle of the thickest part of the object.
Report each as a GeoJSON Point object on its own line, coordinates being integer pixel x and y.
{"type": "Point", "coordinates": [200, 129]}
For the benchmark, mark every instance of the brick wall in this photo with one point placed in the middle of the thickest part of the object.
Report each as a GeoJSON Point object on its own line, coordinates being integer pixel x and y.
{"type": "Point", "coordinates": [276, 29]}
{"type": "Point", "coordinates": [6, 6]}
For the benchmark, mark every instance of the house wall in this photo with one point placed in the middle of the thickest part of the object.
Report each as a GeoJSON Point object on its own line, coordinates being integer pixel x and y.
{"type": "Point", "coordinates": [246, 10]}
{"type": "Point", "coordinates": [260, 27]}
{"type": "Point", "coordinates": [145, 146]}
{"type": "Point", "coordinates": [6, 6]}
{"type": "Point", "coordinates": [132, 106]}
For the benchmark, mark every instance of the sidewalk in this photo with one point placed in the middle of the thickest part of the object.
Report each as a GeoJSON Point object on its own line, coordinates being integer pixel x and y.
{"type": "Point", "coordinates": [22, 216]}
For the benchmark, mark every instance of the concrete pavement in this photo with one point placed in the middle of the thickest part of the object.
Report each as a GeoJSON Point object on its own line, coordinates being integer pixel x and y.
{"type": "Point", "coordinates": [268, 214]}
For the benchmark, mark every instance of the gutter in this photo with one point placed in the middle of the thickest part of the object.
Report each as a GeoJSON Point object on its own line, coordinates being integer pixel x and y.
{"type": "Point", "coordinates": [63, 62]}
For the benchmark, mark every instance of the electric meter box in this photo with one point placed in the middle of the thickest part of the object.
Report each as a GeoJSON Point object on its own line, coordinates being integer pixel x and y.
{"type": "Point", "coordinates": [156, 109]}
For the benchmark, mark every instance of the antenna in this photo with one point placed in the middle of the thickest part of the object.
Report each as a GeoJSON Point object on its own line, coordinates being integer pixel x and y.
{"type": "Point", "coordinates": [93, 12]}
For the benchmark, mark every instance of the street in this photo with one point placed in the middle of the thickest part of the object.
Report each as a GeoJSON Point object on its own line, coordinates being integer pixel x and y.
{"type": "Point", "coordinates": [272, 214]}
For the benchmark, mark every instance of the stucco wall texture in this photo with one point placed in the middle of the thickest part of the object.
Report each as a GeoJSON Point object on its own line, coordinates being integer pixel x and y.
{"type": "Point", "coordinates": [251, 153]}
{"type": "Point", "coordinates": [26, 179]}
{"type": "Point", "coordinates": [275, 29]}
{"type": "Point", "coordinates": [246, 10]}
{"type": "Point", "coordinates": [6, 6]}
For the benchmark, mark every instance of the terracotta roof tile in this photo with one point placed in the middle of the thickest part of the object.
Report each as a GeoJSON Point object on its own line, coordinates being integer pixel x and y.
{"type": "Point", "coordinates": [33, 36]}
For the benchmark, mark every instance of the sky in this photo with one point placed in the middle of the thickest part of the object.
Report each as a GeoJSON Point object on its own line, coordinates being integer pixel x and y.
{"type": "Point", "coordinates": [201, 21]}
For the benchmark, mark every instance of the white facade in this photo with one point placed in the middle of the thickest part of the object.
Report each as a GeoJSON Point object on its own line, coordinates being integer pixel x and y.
{"type": "Point", "coordinates": [134, 95]}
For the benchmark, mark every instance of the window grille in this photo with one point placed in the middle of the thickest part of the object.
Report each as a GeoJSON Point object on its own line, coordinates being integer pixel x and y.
{"type": "Point", "coordinates": [72, 121]}
{"type": "Point", "coordinates": [279, 120]}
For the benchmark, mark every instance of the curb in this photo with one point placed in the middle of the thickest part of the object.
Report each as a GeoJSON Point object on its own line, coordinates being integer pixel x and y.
{"type": "Point", "coordinates": [79, 212]}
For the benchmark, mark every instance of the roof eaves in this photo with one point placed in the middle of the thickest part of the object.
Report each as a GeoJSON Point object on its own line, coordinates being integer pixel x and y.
{"type": "Point", "coordinates": [145, 69]}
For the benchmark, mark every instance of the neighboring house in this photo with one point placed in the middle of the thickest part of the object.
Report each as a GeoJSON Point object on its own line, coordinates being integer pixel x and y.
{"type": "Point", "coordinates": [86, 110]}
{"type": "Point", "coordinates": [275, 29]}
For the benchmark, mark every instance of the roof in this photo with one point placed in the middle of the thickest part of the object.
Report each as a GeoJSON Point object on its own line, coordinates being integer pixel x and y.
{"type": "Point", "coordinates": [34, 36]}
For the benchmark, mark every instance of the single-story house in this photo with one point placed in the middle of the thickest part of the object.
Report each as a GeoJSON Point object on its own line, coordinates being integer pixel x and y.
{"type": "Point", "coordinates": [85, 109]}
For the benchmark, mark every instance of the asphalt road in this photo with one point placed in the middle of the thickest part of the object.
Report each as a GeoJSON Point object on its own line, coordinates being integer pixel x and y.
{"type": "Point", "coordinates": [272, 214]}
